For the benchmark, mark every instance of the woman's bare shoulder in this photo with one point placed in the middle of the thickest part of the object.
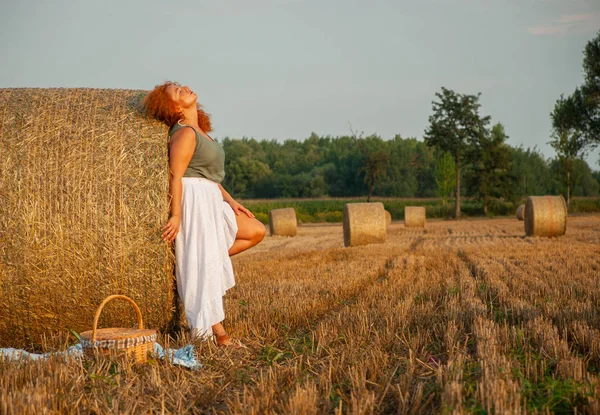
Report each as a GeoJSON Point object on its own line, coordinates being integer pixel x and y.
{"type": "Point", "coordinates": [183, 140]}
{"type": "Point", "coordinates": [183, 134]}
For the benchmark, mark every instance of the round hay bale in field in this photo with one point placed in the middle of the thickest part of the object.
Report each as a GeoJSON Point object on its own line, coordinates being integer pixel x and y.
{"type": "Point", "coordinates": [84, 179]}
{"type": "Point", "coordinates": [364, 223]}
{"type": "Point", "coordinates": [545, 216]}
{"type": "Point", "coordinates": [414, 216]}
{"type": "Point", "coordinates": [521, 212]}
{"type": "Point", "coordinates": [283, 222]}
{"type": "Point", "coordinates": [388, 218]}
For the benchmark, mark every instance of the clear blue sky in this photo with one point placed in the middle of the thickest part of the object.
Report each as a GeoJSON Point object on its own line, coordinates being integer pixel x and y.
{"type": "Point", "coordinates": [285, 68]}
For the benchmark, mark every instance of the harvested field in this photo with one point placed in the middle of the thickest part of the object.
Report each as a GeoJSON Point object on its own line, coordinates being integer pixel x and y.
{"type": "Point", "coordinates": [460, 317]}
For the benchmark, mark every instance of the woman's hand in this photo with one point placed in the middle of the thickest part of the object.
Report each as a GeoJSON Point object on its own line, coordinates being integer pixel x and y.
{"type": "Point", "coordinates": [171, 229]}
{"type": "Point", "coordinates": [237, 208]}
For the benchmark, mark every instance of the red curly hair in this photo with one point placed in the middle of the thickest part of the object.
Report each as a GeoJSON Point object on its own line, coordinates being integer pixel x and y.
{"type": "Point", "coordinates": [159, 106]}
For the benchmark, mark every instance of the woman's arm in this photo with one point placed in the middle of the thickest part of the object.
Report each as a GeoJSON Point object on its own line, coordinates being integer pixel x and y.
{"type": "Point", "coordinates": [226, 196]}
{"type": "Point", "coordinates": [182, 147]}
{"type": "Point", "coordinates": [237, 207]}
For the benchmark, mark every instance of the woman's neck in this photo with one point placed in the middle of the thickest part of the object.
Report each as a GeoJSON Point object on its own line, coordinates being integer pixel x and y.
{"type": "Point", "coordinates": [190, 117]}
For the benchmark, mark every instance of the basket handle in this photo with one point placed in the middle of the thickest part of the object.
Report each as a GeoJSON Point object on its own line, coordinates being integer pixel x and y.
{"type": "Point", "coordinates": [110, 298]}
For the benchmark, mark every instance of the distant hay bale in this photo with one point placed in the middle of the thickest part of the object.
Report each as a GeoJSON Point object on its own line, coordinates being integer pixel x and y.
{"type": "Point", "coordinates": [414, 216]}
{"type": "Point", "coordinates": [545, 216]}
{"type": "Point", "coordinates": [283, 222]}
{"type": "Point", "coordinates": [84, 192]}
{"type": "Point", "coordinates": [388, 218]}
{"type": "Point", "coordinates": [364, 223]}
{"type": "Point", "coordinates": [521, 212]}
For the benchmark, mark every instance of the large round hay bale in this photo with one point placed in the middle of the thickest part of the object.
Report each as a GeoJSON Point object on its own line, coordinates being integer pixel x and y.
{"type": "Point", "coordinates": [388, 218]}
{"type": "Point", "coordinates": [545, 216]}
{"type": "Point", "coordinates": [84, 192]}
{"type": "Point", "coordinates": [283, 222]}
{"type": "Point", "coordinates": [364, 223]}
{"type": "Point", "coordinates": [521, 212]}
{"type": "Point", "coordinates": [414, 216]}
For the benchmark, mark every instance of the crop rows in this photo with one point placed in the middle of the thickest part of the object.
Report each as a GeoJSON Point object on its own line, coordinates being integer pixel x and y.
{"type": "Point", "coordinates": [462, 317]}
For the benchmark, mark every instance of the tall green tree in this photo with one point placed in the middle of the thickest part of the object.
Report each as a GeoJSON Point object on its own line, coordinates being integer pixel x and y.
{"type": "Point", "coordinates": [454, 126]}
{"type": "Point", "coordinates": [445, 176]}
{"type": "Point", "coordinates": [570, 147]}
{"type": "Point", "coordinates": [580, 111]}
{"type": "Point", "coordinates": [490, 166]}
{"type": "Point", "coordinates": [375, 161]}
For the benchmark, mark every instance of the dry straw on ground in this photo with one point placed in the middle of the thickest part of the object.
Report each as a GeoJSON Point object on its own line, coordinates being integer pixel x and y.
{"type": "Point", "coordinates": [364, 223]}
{"type": "Point", "coordinates": [414, 216]}
{"type": "Point", "coordinates": [521, 212]}
{"type": "Point", "coordinates": [283, 222]}
{"type": "Point", "coordinates": [545, 216]}
{"type": "Point", "coordinates": [84, 192]}
{"type": "Point", "coordinates": [467, 318]}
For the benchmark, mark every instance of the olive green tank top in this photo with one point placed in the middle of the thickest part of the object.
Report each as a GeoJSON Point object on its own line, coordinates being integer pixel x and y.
{"type": "Point", "coordinates": [208, 160]}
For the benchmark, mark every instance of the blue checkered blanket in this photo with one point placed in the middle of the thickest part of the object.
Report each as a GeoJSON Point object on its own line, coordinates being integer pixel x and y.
{"type": "Point", "coordinates": [183, 357]}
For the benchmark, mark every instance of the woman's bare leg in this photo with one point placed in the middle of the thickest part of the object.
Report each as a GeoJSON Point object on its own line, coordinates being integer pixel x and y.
{"type": "Point", "coordinates": [218, 329]}
{"type": "Point", "coordinates": [250, 232]}
{"type": "Point", "coordinates": [222, 337]}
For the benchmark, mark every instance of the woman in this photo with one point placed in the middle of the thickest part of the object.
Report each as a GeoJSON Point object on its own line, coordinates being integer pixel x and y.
{"type": "Point", "coordinates": [206, 223]}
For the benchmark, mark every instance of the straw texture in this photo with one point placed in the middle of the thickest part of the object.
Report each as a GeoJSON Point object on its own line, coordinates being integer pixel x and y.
{"type": "Point", "coordinates": [545, 216]}
{"type": "Point", "coordinates": [388, 218]}
{"type": "Point", "coordinates": [283, 222]}
{"type": "Point", "coordinates": [364, 223]}
{"type": "Point", "coordinates": [84, 192]}
{"type": "Point", "coordinates": [414, 216]}
{"type": "Point", "coordinates": [521, 212]}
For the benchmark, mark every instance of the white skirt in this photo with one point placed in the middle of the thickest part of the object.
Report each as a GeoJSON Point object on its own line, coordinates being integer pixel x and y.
{"type": "Point", "coordinates": [203, 267]}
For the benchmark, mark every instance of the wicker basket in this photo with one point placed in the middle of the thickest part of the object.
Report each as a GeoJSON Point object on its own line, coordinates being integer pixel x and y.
{"type": "Point", "coordinates": [134, 343]}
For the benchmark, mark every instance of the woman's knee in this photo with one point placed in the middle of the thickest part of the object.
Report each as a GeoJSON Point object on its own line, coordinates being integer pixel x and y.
{"type": "Point", "coordinates": [250, 229]}
{"type": "Point", "coordinates": [259, 232]}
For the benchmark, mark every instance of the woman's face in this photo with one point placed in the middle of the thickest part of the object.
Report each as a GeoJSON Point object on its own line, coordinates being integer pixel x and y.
{"type": "Point", "coordinates": [182, 96]}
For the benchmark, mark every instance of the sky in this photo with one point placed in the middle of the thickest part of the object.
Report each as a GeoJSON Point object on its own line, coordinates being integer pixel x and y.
{"type": "Point", "coordinates": [281, 69]}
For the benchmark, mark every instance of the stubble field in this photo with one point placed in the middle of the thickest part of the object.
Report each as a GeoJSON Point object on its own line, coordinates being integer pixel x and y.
{"type": "Point", "coordinates": [460, 317]}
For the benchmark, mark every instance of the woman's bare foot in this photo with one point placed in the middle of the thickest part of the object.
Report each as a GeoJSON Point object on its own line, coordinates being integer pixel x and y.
{"type": "Point", "coordinates": [222, 338]}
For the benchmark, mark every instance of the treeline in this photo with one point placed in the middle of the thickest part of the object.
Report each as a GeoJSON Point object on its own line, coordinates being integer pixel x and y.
{"type": "Point", "coordinates": [340, 167]}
